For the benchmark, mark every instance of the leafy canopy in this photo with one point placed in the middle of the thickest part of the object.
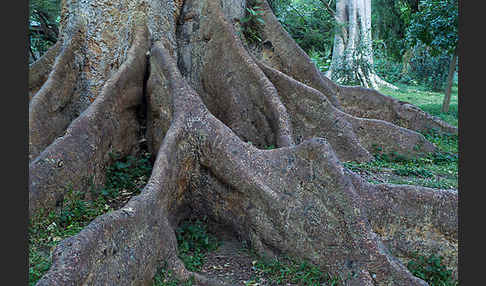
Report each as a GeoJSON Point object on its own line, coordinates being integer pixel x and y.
{"type": "Point", "coordinates": [435, 25]}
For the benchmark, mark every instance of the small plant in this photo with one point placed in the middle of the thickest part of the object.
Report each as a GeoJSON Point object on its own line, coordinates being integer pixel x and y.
{"type": "Point", "coordinates": [129, 174]}
{"type": "Point", "coordinates": [432, 270]}
{"type": "Point", "coordinates": [194, 243]}
{"type": "Point", "coordinates": [252, 23]}
{"type": "Point", "coordinates": [413, 171]}
{"type": "Point", "coordinates": [164, 277]}
{"type": "Point", "coordinates": [321, 61]}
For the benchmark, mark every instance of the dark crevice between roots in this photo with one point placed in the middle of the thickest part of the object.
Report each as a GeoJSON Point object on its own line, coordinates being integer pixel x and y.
{"type": "Point", "coordinates": [141, 113]}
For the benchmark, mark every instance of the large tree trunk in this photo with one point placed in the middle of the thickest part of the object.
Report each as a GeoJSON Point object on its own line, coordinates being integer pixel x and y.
{"type": "Point", "coordinates": [352, 55]}
{"type": "Point", "coordinates": [207, 94]}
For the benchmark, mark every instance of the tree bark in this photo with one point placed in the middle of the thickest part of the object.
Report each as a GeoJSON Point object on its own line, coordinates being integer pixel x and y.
{"type": "Point", "coordinates": [352, 59]}
{"type": "Point", "coordinates": [450, 77]}
{"type": "Point", "coordinates": [208, 92]}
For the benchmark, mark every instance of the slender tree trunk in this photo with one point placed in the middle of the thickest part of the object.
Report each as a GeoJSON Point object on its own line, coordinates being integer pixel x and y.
{"type": "Point", "coordinates": [450, 77]}
{"type": "Point", "coordinates": [208, 92]}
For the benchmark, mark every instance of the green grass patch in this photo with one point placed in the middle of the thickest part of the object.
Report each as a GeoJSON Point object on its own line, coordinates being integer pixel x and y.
{"type": "Point", "coordinates": [428, 101]}
{"type": "Point", "coordinates": [437, 170]}
{"type": "Point", "coordinates": [77, 211]}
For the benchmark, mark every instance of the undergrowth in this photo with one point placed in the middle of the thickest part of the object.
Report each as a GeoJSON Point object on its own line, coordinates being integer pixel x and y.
{"type": "Point", "coordinates": [432, 270]}
{"type": "Point", "coordinates": [125, 175]}
{"type": "Point", "coordinates": [252, 23]}
{"type": "Point", "coordinates": [283, 271]}
{"type": "Point", "coordinates": [194, 242]}
{"type": "Point", "coordinates": [436, 170]}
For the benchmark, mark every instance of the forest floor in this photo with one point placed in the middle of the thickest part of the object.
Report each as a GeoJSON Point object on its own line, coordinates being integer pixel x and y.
{"type": "Point", "coordinates": [214, 251]}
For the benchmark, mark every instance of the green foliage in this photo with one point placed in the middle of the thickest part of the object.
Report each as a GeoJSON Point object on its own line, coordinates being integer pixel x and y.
{"type": "Point", "coordinates": [389, 69]}
{"type": "Point", "coordinates": [309, 24]}
{"type": "Point", "coordinates": [77, 211]}
{"type": "Point", "coordinates": [45, 231]}
{"type": "Point", "coordinates": [165, 277]}
{"type": "Point", "coordinates": [432, 270]}
{"type": "Point", "coordinates": [429, 69]}
{"type": "Point", "coordinates": [45, 12]}
{"type": "Point", "coordinates": [194, 242]}
{"type": "Point", "coordinates": [129, 174]}
{"type": "Point", "coordinates": [435, 25]}
{"type": "Point", "coordinates": [389, 19]}
{"type": "Point", "coordinates": [321, 61]}
{"type": "Point", "coordinates": [253, 22]}
{"type": "Point", "coordinates": [288, 270]}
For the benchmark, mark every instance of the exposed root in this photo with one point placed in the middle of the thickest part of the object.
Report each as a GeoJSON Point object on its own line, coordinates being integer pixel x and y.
{"type": "Point", "coordinates": [286, 56]}
{"type": "Point", "coordinates": [109, 123]}
{"type": "Point", "coordinates": [352, 138]}
{"type": "Point", "coordinates": [413, 219]}
{"type": "Point", "coordinates": [238, 92]}
{"type": "Point", "coordinates": [40, 69]}
{"type": "Point", "coordinates": [369, 103]}
{"type": "Point", "coordinates": [159, 99]}
{"type": "Point", "coordinates": [296, 200]}
{"type": "Point", "coordinates": [48, 112]}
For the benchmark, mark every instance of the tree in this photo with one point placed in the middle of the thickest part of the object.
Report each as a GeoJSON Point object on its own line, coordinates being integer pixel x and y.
{"type": "Point", "coordinates": [435, 25]}
{"type": "Point", "coordinates": [352, 55]}
{"type": "Point", "coordinates": [181, 76]}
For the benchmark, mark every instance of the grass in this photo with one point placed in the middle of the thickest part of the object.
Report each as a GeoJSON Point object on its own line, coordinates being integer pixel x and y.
{"type": "Point", "coordinates": [125, 176]}
{"type": "Point", "coordinates": [428, 101]}
{"type": "Point", "coordinates": [438, 170]}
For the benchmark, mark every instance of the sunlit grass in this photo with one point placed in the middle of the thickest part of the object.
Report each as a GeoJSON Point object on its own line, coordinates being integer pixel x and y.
{"type": "Point", "coordinates": [428, 101]}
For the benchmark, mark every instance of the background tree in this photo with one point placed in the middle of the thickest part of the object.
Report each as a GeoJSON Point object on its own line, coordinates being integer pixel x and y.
{"type": "Point", "coordinates": [352, 56]}
{"type": "Point", "coordinates": [435, 25]}
{"type": "Point", "coordinates": [181, 77]}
